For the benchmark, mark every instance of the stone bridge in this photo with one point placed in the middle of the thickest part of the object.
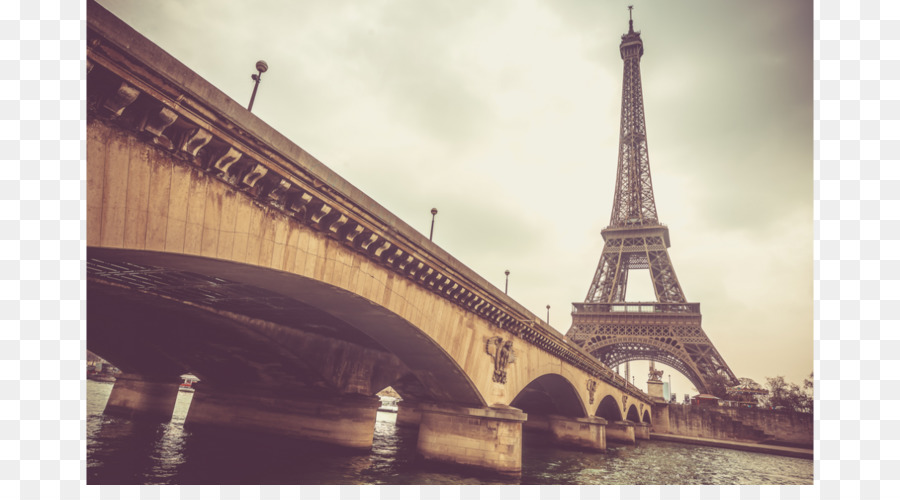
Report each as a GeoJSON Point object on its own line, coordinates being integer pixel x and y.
{"type": "Point", "coordinates": [216, 246]}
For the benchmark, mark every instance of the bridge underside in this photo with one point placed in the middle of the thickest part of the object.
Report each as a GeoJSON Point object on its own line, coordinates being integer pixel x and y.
{"type": "Point", "coordinates": [240, 327]}
{"type": "Point", "coordinates": [549, 394]}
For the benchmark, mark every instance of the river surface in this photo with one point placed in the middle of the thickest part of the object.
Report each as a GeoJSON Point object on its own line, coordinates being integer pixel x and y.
{"type": "Point", "coordinates": [121, 451]}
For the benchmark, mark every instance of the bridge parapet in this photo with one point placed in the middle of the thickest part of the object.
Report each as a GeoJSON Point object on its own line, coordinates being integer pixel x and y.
{"type": "Point", "coordinates": [135, 86]}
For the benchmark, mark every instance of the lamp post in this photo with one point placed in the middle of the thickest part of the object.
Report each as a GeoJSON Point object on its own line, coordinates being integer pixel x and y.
{"type": "Point", "coordinates": [433, 213]}
{"type": "Point", "coordinates": [548, 314]}
{"type": "Point", "coordinates": [262, 67]}
{"type": "Point", "coordinates": [506, 287]}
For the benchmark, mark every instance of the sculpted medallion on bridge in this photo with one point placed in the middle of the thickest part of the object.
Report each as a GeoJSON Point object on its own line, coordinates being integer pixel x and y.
{"type": "Point", "coordinates": [591, 387]}
{"type": "Point", "coordinates": [502, 353]}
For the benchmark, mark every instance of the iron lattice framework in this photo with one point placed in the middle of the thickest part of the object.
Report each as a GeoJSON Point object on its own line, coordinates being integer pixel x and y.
{"type": "Point", "coordinates": [668, 330]}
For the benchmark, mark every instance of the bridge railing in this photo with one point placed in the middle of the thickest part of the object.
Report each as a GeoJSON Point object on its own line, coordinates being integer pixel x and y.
{"type": "Point", "coordinates": [137, 85]}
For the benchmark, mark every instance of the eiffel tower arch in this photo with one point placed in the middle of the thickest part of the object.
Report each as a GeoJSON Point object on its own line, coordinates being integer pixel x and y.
{"type": "Point", "coordinates": [668, 329]}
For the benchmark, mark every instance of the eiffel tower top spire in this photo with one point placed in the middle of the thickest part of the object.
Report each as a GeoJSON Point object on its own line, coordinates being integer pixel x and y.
{"type": "Point", "coordinates": [630, 20]}
{"type": "Point", "coordinates": [633, 204]}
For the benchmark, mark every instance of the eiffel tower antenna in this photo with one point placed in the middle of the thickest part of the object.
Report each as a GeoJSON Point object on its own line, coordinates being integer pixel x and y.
{"type": "Point", "coordinates": [667, 330]}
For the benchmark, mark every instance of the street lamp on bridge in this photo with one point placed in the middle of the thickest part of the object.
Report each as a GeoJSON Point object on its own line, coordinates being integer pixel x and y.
{"type": "Point", "coordinates": [262, 67]}
{"type": "Point", "coordinates": [433, 213]}
{"type": "Point", "coordinates": [506, 286]}
{"type": "Point", "coordinates": [548, 314]}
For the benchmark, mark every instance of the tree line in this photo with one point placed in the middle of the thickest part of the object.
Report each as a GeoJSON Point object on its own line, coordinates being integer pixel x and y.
{"type": "Point", "coordinates": [779, 394]}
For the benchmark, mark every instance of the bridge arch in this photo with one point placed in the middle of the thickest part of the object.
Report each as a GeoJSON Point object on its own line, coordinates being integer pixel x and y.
{"type": "Point", "coordinates": [609, 409]}
{"type": "Point", "coordinates": [550, 394]}
{"type": "Point", "coordinates": [632, 414]}
{"type": "Point", "coordinates": [275, 305]}
{"type": "Point", "coordinates": [646, 418]}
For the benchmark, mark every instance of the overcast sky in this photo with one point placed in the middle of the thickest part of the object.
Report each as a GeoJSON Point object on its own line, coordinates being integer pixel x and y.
{"type": "Point", "coordinates": [505, 117]}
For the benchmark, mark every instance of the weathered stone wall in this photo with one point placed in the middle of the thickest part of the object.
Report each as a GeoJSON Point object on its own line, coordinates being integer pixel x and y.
{"type": "Point", "coordinates": [347, 421]}
{"type": "Point", "coordinates": [787, 426]}
{"type": "Point", "coordinates": [659, 420]}
{"type": "Point", "coordinates": [134, 398]}
{"type": "Point", "coordinates": [536, 423]}
{"type": "Point", "coordinates": [484, 437]}
{"type": "Point", "coordinates": [586, 433]}
{"type": "Point", "coordinates": [620, 432]}
{"type": "Point", "coordinates": [741, 424]}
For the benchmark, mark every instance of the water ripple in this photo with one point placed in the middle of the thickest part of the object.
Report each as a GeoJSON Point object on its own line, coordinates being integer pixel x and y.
{"type": "Point", "coordinates": [120, 451]}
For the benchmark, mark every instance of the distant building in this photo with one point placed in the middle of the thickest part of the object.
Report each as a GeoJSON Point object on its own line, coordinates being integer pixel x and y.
{"type": "Point", "coordinates": [705, 400]}
{"type": "Point", "coordinates": [99, 369]}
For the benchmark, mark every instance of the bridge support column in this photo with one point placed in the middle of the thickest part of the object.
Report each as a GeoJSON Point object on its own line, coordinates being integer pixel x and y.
{"type": "Point", "coordinates": [536, 423]}
{"type": "Point", "coordinates": [642, 430]}
{"type": "Point", "coordinates": [620, 432]}
{"type": "Point", "coordinates": [408, 414]}
{"type": "Point", "coordinates": [138, 399]}
{"type": "Point", "coordinates": [655, 389]}
{"type": "Point", "coordinates": [345, 420]}
{"type": "Point", "coordinates": [489, 438]}
{"type": "Point", "coordinates": [588, 433]}
{"type": "Point", "coordinates": [660, 418]}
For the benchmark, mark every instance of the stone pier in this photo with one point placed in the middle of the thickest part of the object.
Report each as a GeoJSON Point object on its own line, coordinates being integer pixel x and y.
{"type": "Point", "coordinates": [138, 399]}
{"type": "Point", "coordinates": [490, 438]}
{"type": "Point", "coordinates": [536, 423]}
{"type": "Point", "coordinates": [587, 433]}
{"type": "Point", "coordinates": [642, 430]}
{"type": "Point", "coordinates": [408, 414]}
{"type": "Point", "coordinates": [620, 432]}
{"type": "Point", "coordinates": [655, 389]}
{"type": "Point", "coordinates": [344, 420]}
{"type": "Point", "coordinates": [659, 417]}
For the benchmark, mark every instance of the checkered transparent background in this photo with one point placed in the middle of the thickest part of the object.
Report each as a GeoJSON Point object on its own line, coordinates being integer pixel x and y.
{"type": "Point", "coordinates": [857, 273]}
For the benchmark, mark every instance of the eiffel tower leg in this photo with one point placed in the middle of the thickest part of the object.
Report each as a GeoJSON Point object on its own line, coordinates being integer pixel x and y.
{"type": "Point", "coordinates": [665, 283]}
{"type": "Point", "coordinates": [709, 362]}
{"type": "Point", "coordinates": [610, 279]}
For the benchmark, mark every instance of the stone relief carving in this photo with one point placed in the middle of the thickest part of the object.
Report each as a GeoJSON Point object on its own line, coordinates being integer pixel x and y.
{"type": "Point", "coordinates": [591, 387]}
{"type": "Point", "coordinates": [624, 404]}
{"type": "Point", "coordinates": [502, 353]}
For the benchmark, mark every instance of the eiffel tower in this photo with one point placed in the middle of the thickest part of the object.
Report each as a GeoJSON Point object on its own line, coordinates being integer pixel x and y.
{"type": "Point", "coordinates": [667, 330]}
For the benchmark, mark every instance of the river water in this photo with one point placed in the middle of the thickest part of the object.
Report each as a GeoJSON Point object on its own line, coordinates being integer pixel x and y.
{"type": "Point", "coordinates": [121, 451]}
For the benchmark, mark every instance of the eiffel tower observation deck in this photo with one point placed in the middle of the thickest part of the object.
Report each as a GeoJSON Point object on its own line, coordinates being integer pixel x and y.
{"type": "Point", "coordinates": [666, 330]}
